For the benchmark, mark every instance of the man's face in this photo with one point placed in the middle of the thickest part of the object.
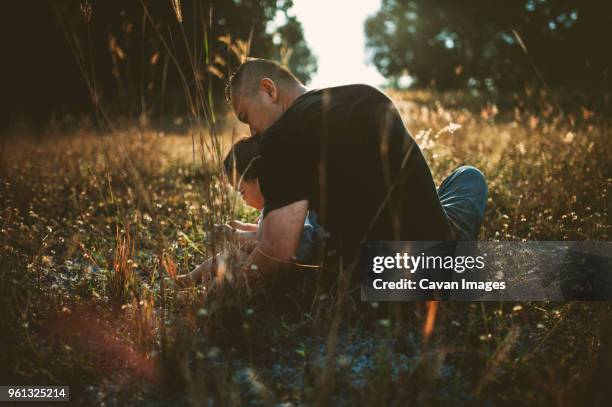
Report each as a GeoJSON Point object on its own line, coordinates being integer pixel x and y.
{"type": "Point", "coordinates": [260, 110]}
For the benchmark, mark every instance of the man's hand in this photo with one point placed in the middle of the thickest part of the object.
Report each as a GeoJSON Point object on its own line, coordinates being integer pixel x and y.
{"type": "Point", "coordinates": [280, 238]}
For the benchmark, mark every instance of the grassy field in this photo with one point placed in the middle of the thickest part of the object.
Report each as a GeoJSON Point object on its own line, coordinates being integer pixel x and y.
{"type": "Point", "coordinates": [91, 223]}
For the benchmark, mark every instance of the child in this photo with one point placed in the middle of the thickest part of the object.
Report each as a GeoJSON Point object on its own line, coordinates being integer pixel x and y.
{"type": "Point", "coordinates": [241, 166]}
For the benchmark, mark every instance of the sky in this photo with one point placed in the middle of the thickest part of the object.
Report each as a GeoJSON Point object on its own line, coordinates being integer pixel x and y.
{"type": "Point", "coordinates": [334, 31]}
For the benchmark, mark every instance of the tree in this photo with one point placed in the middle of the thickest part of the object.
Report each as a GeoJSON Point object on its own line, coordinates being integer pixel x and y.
{"type": "Point", "coordinates": [133, 72]}
{"type": "Point", "coordinates": [492, 44]}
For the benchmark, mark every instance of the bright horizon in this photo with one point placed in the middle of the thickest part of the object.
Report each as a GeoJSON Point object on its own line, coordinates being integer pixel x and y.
{"type": "Point", "coordinates": [339, 48]}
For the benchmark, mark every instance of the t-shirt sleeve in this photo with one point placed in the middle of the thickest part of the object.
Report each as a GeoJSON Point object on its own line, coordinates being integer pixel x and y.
{"type": "Point", "coordinates": [287, 171]}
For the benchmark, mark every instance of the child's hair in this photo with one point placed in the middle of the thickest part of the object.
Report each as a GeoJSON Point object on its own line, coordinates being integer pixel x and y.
{"type": "Point", "coordinates": [242, 159]}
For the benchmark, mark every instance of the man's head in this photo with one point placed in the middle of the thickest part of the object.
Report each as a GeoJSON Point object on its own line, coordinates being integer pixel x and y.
{"type": "Point", "coordinates": [242, 167]}
{"type": "Point", "coordinates": [260, 91]}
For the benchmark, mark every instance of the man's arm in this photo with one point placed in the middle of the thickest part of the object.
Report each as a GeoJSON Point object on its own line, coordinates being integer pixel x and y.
{"type": "Point", "coordinates": [280, 238]}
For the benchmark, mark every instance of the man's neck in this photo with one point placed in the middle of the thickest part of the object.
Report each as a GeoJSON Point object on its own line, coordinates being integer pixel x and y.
{"type": "Point", "coordinates": [292, 95]}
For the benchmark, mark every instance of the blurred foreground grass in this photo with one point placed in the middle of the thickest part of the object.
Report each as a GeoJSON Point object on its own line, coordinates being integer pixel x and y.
{"type": "Point", "coordinates": [90, 223]}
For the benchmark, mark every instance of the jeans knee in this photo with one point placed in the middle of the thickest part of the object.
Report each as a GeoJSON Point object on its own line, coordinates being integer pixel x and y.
{"type": "Point", "coordinates": [475, 176]}
{"type": "Point", "coordinates": [473, 173]}
{"type": "Point", "coordinates": [469, 170]}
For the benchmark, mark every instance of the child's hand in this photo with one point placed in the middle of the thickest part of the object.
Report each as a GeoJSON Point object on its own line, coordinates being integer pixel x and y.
{"type": "Point", "coordinates": [224, 231]}
{"type": "Point", "coordinates": [245, 227]}
{"type": "Point", "coordinates": [236, 224]}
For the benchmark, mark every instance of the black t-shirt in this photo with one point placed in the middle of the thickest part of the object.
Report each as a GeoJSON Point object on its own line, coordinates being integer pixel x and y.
{"type": "Point", "coordinates": [342, 149]}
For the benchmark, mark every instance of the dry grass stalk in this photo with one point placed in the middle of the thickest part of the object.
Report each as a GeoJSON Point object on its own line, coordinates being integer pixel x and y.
{"type": "Point", "coordinates": [176, 5]}
{"type": "Point", "coordinates": [430, 321]}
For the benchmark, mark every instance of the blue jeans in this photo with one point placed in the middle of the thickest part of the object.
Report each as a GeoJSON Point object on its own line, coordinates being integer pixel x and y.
{"type": "Point", "coordinates": [463, 196]}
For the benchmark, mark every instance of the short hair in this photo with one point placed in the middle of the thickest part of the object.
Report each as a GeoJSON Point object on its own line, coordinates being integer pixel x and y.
{"type": "Point", "coordinates": [242, 160]}
{"type": "Point", "coordinates": [248, 75]}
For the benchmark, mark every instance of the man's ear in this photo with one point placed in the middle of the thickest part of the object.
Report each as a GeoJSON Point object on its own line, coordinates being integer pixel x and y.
{"type": "Point", "coordinates": [269, 87]}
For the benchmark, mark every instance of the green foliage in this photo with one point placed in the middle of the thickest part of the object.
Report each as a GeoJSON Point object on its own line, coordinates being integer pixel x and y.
{"type": "Point", "coordinates": [492, 45]}
{"type": "Point", "coordinates": [132, 53]}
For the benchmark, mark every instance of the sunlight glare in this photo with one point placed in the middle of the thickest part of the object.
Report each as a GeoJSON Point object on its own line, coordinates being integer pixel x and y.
{"type": "Point", "coordinates": [335, 33]}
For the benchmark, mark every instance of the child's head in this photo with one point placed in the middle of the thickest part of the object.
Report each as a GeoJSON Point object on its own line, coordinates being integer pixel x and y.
{"type": "Point", "coordinates": [241, 166]}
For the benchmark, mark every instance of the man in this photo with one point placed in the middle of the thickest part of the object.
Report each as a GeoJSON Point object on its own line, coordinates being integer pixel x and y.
{"type": "Point", "coordinates": [344, 153]}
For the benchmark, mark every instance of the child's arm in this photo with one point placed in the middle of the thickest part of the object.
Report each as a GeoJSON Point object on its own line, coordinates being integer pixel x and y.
{"type": "Point", "coordinates": [248, 227]}
{"type": "Point", "coordinates": [246, 234]}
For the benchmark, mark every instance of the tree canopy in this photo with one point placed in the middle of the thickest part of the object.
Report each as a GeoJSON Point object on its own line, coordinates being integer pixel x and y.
{"type": "Point", "coordinates": [493, 44]}
{"type": "Point", "coordinates": [126, 46]}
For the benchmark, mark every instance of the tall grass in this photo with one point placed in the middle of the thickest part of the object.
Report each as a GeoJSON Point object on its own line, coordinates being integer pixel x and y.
{"type": "Point", "coordinates": [62, 207]}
